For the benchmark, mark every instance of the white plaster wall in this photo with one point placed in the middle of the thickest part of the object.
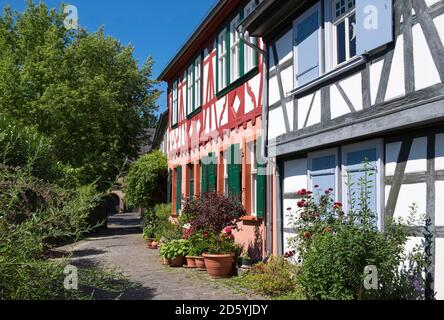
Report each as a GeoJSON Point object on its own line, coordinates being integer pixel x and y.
{"type": "Point", "coordinates": [353, 89]}
{"type": "Point", "coordinates": [287, 79]}
{"type": "Point", "coordinates": [396, 84]}
{"type": "Point", "coordinates": [254, 84]}
{"type": "Point", "coordinates": [439, 269]}
{"type": "Point", "coordinates": [439, 23]}
{"type": "Point", "coordinates": [418, 156]}
{"type": "Point", "coordinates": [387, 194]}
{"type": "Point", "coordinates": [375, 78]}
{"type": "Point", "coordinates": [276, 125]}
{"type": "Point", "coordinates": [409, 194]}
{"type": "Point", "coordinates": [295, 175]}
{"type": "Point", "coordinates": [431, 2]}
{"type": "Point", "coordinates": [439, 160]}
{"type": "Point", "coordinates": [273, 90]}
{"type": "Point", "coordinates": [426, 73]}
{"type": "Point", "coordinates": [284, 48]}
{"type": "Point", "coordinates": [439, 203]}
{"type": "Point", "coordinates": [391, 155]}
{"type": "Point", "coordinates": [338, 105]}
{"type": "Point", "coordinates": [304, 107]}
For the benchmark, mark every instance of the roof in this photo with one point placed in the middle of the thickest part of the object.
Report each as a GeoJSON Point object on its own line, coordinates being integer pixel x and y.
{"type": "Point", "coordinates": [198, 38]}
{"type": "Point", "coordinates": [162, 126]}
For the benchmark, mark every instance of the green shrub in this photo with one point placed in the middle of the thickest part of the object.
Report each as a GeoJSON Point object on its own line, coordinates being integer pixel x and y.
{"type": "Point", "coordinates": [145, 185]}
{"type": "Point", "coordinates": [275, 278]}
{"type": "Point", "coordinates": [335, 248]}
{"type": "Point", "coordinates": [175, 248]}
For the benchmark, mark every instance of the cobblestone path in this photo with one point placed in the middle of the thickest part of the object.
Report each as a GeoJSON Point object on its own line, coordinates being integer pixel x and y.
{"type": "Point", "coordinates": [121, 246]}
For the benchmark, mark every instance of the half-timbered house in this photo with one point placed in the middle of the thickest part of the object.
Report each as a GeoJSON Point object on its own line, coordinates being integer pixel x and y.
{"type": "Point", "coordinates": [215, 90]}
{"type": "Point", "coordinates": [354, 81]}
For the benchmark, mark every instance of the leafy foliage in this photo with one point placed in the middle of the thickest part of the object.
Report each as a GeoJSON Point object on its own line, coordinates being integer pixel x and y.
{"type": "Point", "coordinates": [335, 248]}
{"type": "Point", "coordinates": [84, 92]}
{"type": "Point", "coordinates": [175, 248]}
{"type": "Point", "coordinates": [145, 180]}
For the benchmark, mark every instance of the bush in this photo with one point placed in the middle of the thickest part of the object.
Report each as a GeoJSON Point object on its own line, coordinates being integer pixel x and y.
{"type": "Point", "coordinates": [175, 248]}
{"type": "Point", "coordinates": [275, 278]}
{"type": "Point", "coordinates": [145, 185]}
{"type": "Point", "coordinates": [335, 249]}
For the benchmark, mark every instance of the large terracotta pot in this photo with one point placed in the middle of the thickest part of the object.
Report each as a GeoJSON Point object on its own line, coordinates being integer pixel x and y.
{"type": "Point", "coordinates": [154, 245]}
{"type": "Point", "coordinates": [200, 263]}
{"type": "Point", "coordinates": [176, 262]}
{"type": "Point", "coordinates": [219, 265]}
{"type": "Point", "coordinates": [191, 263]}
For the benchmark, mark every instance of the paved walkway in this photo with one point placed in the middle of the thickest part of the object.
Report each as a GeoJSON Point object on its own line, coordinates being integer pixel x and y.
{"type": "Point", "coordinates": [121, 246]}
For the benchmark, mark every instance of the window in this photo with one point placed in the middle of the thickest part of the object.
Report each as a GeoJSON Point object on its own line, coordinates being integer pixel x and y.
{"type": "Point", "coordinates": [250, 55]}
{"type": "Point", "coordinates": [307, 35]}
{"type": "Point", "coordinates": [344, 30]}
{"type": "Point", "coordinates": [197, 83]}
{"type": "Point", "coordinates": [235, 49]}
{"type": "Point", "coordinates": [190, 89]}
{"type": "Point", "coordinates": [323, 172]}
{"type": "Point", "coordinates": [191, 181]}
{"type": "Point", "coordinates": [174, 104]}
{"type": "Point", "coordinates": [178, 189]}
{"type": "Point", "coordinates": [253, 174]}
{"type": "Point", "coordinates": [361, 167]}
{"type": "Point", "coordinates": [222, 59]}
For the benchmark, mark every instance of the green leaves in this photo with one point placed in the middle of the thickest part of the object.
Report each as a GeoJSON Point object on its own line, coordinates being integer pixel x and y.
{"type": "Point", "coordinates": [82, 90]}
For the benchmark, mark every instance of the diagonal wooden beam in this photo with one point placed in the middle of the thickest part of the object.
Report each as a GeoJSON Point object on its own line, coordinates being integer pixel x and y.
{"type": "Point", "coordinates": [281, 88]}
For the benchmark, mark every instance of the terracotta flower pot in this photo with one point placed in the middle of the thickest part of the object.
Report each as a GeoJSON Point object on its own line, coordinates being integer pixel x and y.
{"type": "Point", "coordinates": [149, 242]}
{"type": "Point", "coordinates": [154, 245]}
{"type": "Point", "coordinates": [200, 263]}
{"type": "Point", "coordinates": [176, 262]}
{"type": "Point", "coordinates": [191, 263]}
{"type": "Point", "coordinates": [219, 265]}
{"type": "Point", "coordinates": [166, 262]}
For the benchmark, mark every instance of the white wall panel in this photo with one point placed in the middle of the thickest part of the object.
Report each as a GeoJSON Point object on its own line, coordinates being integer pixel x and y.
{"type": "Point", "coordinates": [439, 203]}
{"type": "Point", "coordinates": [391, 157]}
{"type": "Point", "coordinates": [273, 91]}
{"type": "Point", "coordinates": [418, 156]}
{"type": "Point", "coordinates": [353, 89]}
{"type": "Point", "coordinates": [338, 105]}
{"type": "Point", "coordinates": [276, 125]}
{"type": "Point", "coordinates": [439, 23]}
{"type": "Point", "coordinates": [375, 78]}
{"type": "Point", "coordinates": [439, 269]}
{"type": "Point", "coordinates": [439, 160]}
{"type": "Point", "coordinates": [295, 175]}
{"type": "Point", "coordinates": [396, 84]}
{"type": "Point", "coordinates": [409, 194]}
{"type": "Point", "coordinates": [426, 74]}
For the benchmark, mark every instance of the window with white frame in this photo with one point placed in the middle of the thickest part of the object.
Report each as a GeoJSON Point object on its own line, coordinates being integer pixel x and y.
{"type": "Point", "coordinates": [363, 178]}
{"type": "Point", "coordinates": [344, 30]}
{"type": "Point", "coordinates": [222, 59]}
{"type": "Point", "coordinates": [235, 45]}
{"type": "Point", "coordinates": [197, 83]}
{"type": "Point", "coordinates": [174, 104]}
{"type": "Point", "coordinates": [253, 173]}
{"type": "Point", "coordinates": [190, 89]}
{"type": "Point", "coordinates": [250, 55]}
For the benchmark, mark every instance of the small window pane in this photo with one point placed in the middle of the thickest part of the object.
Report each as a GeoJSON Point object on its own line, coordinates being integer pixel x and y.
{"type": "Point", "coordinates": [340, 42]}
{"type": "Point", "coordinates": [352, 35]}
{"type": "Point", "coordinates": [359, 157]}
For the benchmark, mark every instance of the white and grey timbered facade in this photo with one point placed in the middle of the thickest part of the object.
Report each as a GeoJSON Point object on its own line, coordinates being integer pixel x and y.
{"type": "Point", "coordinates": [355, 80]}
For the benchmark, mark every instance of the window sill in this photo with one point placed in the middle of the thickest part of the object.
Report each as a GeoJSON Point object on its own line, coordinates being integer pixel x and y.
{"type": "Point", "coordinates": [329, 76]}
{"type": "Point", "coordinates": [195, 112]}
{"type": "Point", "coordinates": [250, 219]}
{"type": "Point", "coordinates": [250, 74]}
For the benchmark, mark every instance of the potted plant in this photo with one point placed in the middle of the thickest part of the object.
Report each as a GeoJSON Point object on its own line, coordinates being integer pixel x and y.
{"type": "Point", "coordinates": [148, 234]}
{"type": "Point", "coordinates": [220, 258]}
{"type": "Point", "coordinates": [216, 215]}
{"type": "Point", "coordinates": [175, 251]}
{"type": "Point", "coordinates": [245, 260]}
{"type": "Point", "coordinates": [198, 246]}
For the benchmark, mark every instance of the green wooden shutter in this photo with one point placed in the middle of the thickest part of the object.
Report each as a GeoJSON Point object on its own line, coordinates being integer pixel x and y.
{"type": "Point", "coordinates": [178, 189]}
{"type": "Point", "coordinates": [260, 210]}
{"type": "Point", "coordinates": [234, 170]}
{"type": "Point", "coordinates": [204, 176]}
{"type": "Point", "coordinates": [211, 173]}
{"type": "Point", "coordinates": [169, 187]}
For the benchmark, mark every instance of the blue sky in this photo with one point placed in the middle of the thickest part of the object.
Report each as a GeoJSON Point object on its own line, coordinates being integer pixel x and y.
{"type": "Point", "coordinates": [154, 27]}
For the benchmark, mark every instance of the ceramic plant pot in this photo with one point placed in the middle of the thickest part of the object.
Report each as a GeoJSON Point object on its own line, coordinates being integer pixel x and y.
{"type": "Point", "coordinates": [154, 245]}
{"type": "Point", "coordinates": [149, 242]}
{"type": "Point", "coordinates": [191, 261]}
{"type": "Point", "coordinates": [176, 262]}
{"type": "Point", "coordinates": [219, 265]}
{"type": "Point", "coordinates": [200, 263]}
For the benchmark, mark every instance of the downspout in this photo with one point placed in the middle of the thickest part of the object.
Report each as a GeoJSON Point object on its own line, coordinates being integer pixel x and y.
{"type": "Point", "coordinates": [264, 153]}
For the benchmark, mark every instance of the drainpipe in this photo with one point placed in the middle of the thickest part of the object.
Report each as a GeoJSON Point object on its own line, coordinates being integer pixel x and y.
{"type": "Point", "coordinates": [264, 152]}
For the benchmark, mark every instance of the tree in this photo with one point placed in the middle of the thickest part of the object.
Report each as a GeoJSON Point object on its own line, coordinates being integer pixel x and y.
{"type": "Point", "coordinates": [145, 185]}
{"type": "Point", "coordinates": [84, 91]}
